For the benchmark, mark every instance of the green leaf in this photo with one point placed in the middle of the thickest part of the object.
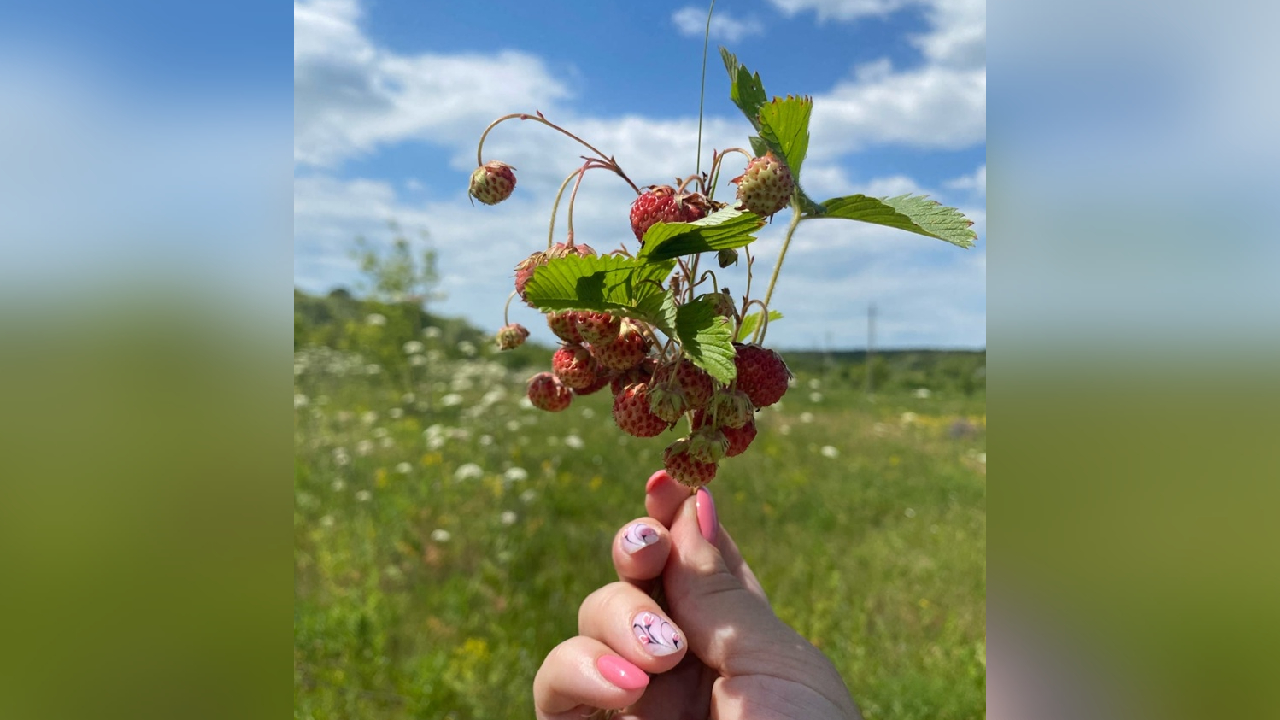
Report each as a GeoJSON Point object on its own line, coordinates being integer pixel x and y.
{"type": "Point", "coordinates": [784, 126]}
{"type": "Point", "coordinates": [727, 228]}
{"type": "Point", "coordinates": [750, 322]}
{"type": "Point", "coordinates": [707, 338]}
{"type": "Point", "coordinates": [607, 283]}
{"type": "Point", "coordinates": [914, 213]}
{"type": "Point", "coordinates": [745, 89]}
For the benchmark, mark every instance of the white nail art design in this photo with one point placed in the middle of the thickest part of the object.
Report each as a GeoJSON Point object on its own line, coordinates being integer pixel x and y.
{"type": "Point", "coordinates": [656, 633]}
{"type": "Point", "coordinates": [638, 537]}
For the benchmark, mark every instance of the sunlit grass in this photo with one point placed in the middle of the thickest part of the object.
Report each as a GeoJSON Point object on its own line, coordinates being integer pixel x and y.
{"type": "Point", "coordinates": [445, 534]}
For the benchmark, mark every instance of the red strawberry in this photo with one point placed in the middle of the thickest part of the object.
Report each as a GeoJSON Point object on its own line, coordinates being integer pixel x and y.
{"type": "Point", "coordinates": [766, 185]}
{"type": "Point", "coordinates": [565, 325]}
{"type": "Point", "coordinates": [685, 468]}
{"type": "Point", "coordinates": [512, 336]}
{"type": "Point", "coordinates": [631, 412]}
{"type": "Point", "coordinates": [762, 374]}
{"type": "Point", "coordinates": [739, 438]}
{"type": "Point", "coordinates": [626, 352]}
{"type": "Point", "coordinates": [602, 379]}
{"type": "Point", "coordinates": [492, 182]}
{"type": "Point", "coordinates": [695, 382]}
{"type": "Point", "coordinates": [574, 366]}
{"type": "Point", "coordinates": [662, 204]}
{"type": "Point", "coordinates": [640, 373]}
{"type": "Point", "coordinates": [546, 392]}
{"type": "Point", "coordinates": [598, 328]}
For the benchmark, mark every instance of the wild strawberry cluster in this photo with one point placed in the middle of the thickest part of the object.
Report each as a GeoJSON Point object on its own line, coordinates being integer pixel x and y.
{"type": "Point", "coordinates": [655, 384]}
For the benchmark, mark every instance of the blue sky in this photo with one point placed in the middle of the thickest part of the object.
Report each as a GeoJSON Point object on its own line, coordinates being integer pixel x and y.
{"type": "Point", "coordinates": [391, 97]}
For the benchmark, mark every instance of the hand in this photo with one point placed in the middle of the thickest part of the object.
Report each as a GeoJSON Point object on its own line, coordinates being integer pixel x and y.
{"type": "Point", "coordinates": [720, 654]}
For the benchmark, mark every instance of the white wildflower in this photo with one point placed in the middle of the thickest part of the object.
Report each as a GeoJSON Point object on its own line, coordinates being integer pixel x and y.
{"type": "Point", "coordinates": [829, 452]}
{"type": "Point", "coordinates": [815, 384]}
{"type": "Point", "coordinates": [404, 468]}
{"type": "Point", "coordinates": [395, 413]}
{"type": "Point", "coordinates": [376, 319]}
{"type": "Point", "coordinates": [363, 496]}
{"type": "Point", "coordinates": [417, 360]}
{"type": "Point", "coordinates": [364, 447]}
{"type": "Point", "coordinates": [588, 413]}
{"type": "Point", "coordinates": [513, 425]}
{"type": "Point", "coordinates": [338, 485]}
{"type": "Point", "coordinates": [431, 332]}
{"type": "Point", "coordinates": [451, 400]}
{"type": "Point", "coordinates": [372, 369]}
{"type": "Point", "coordinates": [806, 417]}
{"type": "Point", "coordinates": [299, 401]}
{"type": "Point", "coordinates": [515, 474]}
{"type": "Point", "coordinates": [908, 418]}
{"type": "Point", "coordinates": [413, 347]}
{"type": "Point", "coordinates": [369, 418]}
{"type": "Point", "coordinates": [815, 397]}
{"type": "Point", "coordinates": [440, 535]}
{"type": "Point", "coordinates": [529, 495]}
{"type": "Point", "coordinates": [486, 440]}
{"type": "Point", "coordinates": [508, 518]}
{"type": "Point", "coordinates": [470, 471]}
{"type": "Point", "coordinates": [467, 348]}
{"type": "Point", "coordinates": [340, 456]}
{"type": "Point", "coordinates": [574, 442]}
{"type": "Point", "coordinates": [326, 521]}
{"type": "Point", "coordinates": [909, 512]}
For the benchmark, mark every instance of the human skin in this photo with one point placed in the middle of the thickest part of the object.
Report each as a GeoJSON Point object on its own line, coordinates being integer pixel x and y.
{"type": "Point", "coordinates": [717, 652]}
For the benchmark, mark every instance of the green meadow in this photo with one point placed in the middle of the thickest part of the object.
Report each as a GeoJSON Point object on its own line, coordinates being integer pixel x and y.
{"type": "Point", "coordinates": [445, 531]}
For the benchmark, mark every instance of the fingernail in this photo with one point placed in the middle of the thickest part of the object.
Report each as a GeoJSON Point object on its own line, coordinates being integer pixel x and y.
{"type": "Point", "coordinates": [637, 537]}
{"type": "Point", "coordinates": [621, 673]}
{"type": "Point", "coordinates": [708, 522]}
{"type": "Point", "coordinates": [655, 480]}
{"type": "Point", "coordinates": [656, 633]}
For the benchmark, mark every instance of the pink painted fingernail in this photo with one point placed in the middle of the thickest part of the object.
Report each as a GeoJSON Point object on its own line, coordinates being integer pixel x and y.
{"type": "Point", "coordinates": [655, 480]}
{"type": "Point", "coordinates": [656, 634]}
{"type": "Point", "coordinates": [708, 521]}
{"type": "Point", "coordinates": [621, 673]}
{"type": "Point", "coordinates": [637, 537]}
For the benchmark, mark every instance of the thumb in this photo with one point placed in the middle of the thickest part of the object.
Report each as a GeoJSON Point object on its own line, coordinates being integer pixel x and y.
{"type": "Point", "coordinates": [730, 628]}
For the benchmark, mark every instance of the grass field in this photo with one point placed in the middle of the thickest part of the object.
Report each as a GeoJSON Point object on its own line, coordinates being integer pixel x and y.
{"type": "Point", "coordinates": [445, 534]}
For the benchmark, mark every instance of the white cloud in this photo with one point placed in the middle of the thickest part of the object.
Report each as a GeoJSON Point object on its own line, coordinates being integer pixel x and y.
{"type": "Point", "coordinates": [692, 21]}
{"type": "Point", "coordinates": [937, 300]}
{"type": "Point", "coordinates": [977, 182]}
{"type": "Point", "coordinates": [839, 9]}
{"type": "Point", "coordinates": [351, 97]}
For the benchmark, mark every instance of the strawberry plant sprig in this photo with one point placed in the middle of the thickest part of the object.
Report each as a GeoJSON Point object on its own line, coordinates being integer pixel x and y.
{"type": "Point", "coordinates": [646, 324]}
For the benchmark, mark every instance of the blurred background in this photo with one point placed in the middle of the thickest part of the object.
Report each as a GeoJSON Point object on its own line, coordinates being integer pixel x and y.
{"type": "Point", "coordinates": [445, 529]}
{"type": "Point", "coordinates": [160, 503]}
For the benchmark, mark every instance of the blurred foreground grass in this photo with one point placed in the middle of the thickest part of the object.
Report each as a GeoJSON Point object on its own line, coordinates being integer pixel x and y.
{"type": "Point", "coordinates": [445, 536]}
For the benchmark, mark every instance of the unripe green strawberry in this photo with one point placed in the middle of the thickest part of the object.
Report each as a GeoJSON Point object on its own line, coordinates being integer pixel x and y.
{"type": "Point", "coordinates": [492, 182]}
{"type": "Point", "coordinates": [732, 408]}
{"type": "Point", "coordinates": [766, 186]}
{"type": "Point", "coordinates": [667, 401]}
{"type": "Point", "coordinates": [512, 336]}
{"type": "Point", "coordinates": [708, 444]}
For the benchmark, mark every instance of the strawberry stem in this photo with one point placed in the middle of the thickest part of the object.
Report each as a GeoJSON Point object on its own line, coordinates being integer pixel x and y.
{"type": "Point", "coordinates": [505, 308]}
{"type": "Point", "coordinates": [782, 254]}
{"type": "Point", "coordinates": [555, 207]}
{"type": "Point", "coordinates": [608, 161]}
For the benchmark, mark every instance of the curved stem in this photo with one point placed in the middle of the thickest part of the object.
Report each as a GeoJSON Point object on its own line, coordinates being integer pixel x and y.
{"type": "Point", "coordinates": [610, 162]}
{"type": "Point", "coordinates": [506, 308]}
{"type": "Point", "coordinates": [555, 207]}
{"type": "Point", "coordinates": [582, 171]}
{"type": "Point", "coordinates": [777, 267]}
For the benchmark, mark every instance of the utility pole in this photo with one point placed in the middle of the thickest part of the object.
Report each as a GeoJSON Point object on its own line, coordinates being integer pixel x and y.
{"type": "Point", "coordinates": [871, 342]}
